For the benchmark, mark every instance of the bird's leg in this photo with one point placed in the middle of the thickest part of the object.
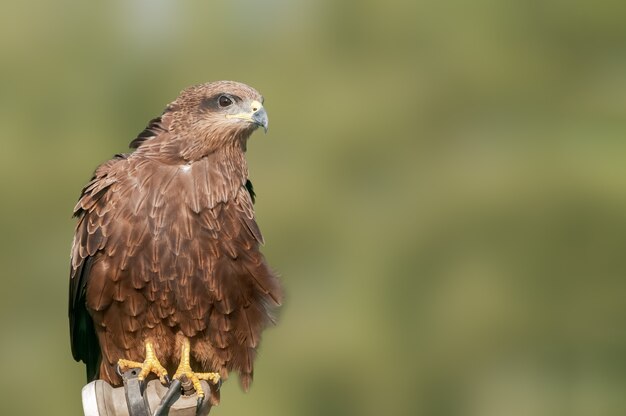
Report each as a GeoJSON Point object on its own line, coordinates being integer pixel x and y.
{"type": "Point", "coordinates": [184, 369]}
{"type": "Point", "coordinates": [150, 365]}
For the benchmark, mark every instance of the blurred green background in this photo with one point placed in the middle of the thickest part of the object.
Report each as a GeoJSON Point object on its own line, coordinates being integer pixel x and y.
{"type": "Point", "coordinates": [443, 190]}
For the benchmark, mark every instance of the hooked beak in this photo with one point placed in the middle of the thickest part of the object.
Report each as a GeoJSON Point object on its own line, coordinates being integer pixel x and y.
{"type": "Point", "coordinates": [257, 115]}
{"type": "Point", "coordinates": [260, 118]}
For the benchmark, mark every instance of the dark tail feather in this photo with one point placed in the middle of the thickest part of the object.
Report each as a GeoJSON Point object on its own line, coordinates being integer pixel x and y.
{"type": "Point", "coordinates": [90, 347]}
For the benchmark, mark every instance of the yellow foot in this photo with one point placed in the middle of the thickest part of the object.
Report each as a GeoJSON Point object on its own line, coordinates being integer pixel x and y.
{"type": "Point", "coordinates": [150, 365]}
{"type": "Point", "coordinates": [184, 369]}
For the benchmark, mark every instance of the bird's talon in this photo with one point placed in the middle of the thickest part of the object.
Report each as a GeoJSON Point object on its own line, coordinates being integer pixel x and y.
{"type": "Point", "coordinates": [150, 365]}
{"type": "Point", "coordinates": [184, 370]}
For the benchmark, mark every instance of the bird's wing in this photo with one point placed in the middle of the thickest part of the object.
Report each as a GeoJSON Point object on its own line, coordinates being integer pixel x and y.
{"type": "Point", "coordinates": [93, 213]}
{"type": "Point", "coordinates": [243, 289]}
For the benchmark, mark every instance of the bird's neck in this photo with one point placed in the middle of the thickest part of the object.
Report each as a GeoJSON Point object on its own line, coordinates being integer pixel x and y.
{"type": "Point", "coordinates": [227, 164]}
{"type": "Point", "coordinates": [179, 149]}
{"type": "Point", "coordinates": [231, 161]}
{"type": "Point", "coordinates": [232, 148]}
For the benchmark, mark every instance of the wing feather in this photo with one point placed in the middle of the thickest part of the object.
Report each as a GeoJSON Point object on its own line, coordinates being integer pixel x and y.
{"type": "Point", "coordinates": [93, 213]}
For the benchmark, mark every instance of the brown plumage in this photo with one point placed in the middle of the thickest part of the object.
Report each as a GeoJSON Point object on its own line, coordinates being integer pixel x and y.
{"type": "Point", "coordinates": [167, 244]}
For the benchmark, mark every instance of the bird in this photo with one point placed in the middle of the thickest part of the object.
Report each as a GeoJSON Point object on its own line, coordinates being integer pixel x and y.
{"type": "Point", "coordinates": [166, 271]}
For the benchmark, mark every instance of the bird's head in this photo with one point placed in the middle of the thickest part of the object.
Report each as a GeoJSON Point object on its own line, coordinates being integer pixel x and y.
{"type": "Point", "coordinates": [207, 117]}
{"type": "Point", "coordinates": [227, 105]}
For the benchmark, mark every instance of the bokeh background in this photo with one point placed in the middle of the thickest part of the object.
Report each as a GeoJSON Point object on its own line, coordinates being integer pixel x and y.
{"type": "Point", "coordinates": [443, 190]}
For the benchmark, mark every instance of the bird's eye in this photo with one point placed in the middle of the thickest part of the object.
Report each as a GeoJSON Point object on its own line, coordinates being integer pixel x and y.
{"type": "Point", "coordinates": [224, 101]}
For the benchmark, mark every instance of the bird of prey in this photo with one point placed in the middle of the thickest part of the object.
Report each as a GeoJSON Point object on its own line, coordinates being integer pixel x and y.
{"type": "Point", "coordinates": [166, 273]}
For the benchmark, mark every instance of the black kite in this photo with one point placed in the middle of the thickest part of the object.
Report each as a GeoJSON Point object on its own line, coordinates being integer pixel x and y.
{"type": "Point", "coordinates": [166, 271]}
